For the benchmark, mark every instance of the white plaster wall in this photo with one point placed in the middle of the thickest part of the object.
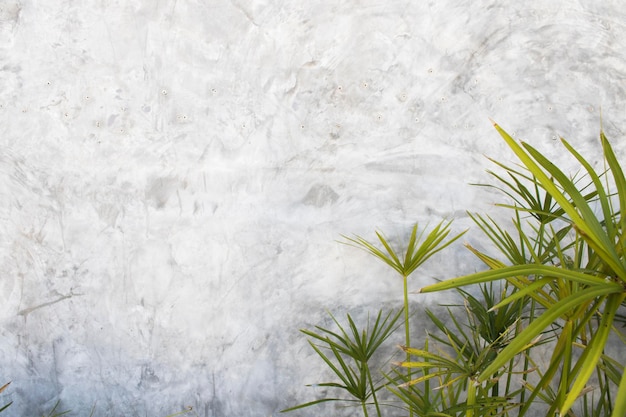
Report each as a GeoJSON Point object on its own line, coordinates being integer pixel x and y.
{"type": "Point", "coordinates": [174, 175]}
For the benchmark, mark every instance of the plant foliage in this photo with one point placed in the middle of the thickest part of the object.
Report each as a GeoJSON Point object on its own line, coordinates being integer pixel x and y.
{"type": "Point", "coordinates": [570, 260]}
{"type": "Point", "coordinates": [4, 407]}
{"type": "Point", "coordinates": [347, 352]}
{"type": "Point", "coordinates": [531, 334]}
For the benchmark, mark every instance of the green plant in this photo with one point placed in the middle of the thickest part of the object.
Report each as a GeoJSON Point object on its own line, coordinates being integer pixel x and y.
{"type": "Point", "coordinates": [347, 352]}
{"type": "Point", "coordinates": [187, 410]}
{"type": "Point", "coordinates": [360, 345]}
{"type": "Point", "coordinates": [418, 251]}
{"type": "Point", "coordinates": [457, 351]}
{"type": "Point", "coordinates": [4, 407]}
{"type": "Point", "coordinates": [557, 291]}
{"type": "Point", "coordinates": [569, 258]}
{"type": "Point", "coordinates": [54, 413]}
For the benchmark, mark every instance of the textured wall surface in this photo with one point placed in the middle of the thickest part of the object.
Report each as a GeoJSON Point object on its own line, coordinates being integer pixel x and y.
{"type": "Point", "coordinates": [174, 175]}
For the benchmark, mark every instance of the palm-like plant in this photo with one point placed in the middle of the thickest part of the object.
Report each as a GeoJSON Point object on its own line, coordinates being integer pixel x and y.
{"type": "Point", "coordinates": [347, 352]}
{"type": "Point", "coordinates": [419, 249]}
{"type": "Point", "coordinates": [460, 350]}
{"type": "Point", "coordinates": [571, 262]}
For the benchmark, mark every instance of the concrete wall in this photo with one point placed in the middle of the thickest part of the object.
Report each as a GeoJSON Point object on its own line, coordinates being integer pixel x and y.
{"type": "Point", "coordinates": [174, 175]}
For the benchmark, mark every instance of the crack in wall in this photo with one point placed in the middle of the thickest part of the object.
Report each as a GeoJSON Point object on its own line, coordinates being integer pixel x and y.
{"type": "Point", "coordinates": [25, 312]}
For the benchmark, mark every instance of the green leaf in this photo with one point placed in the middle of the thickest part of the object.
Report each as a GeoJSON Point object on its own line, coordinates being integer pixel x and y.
{"type": "Point", "coordinates": [535, 328]}
{"type": "Point", "coordinates": [619, 408]}
{"type": "Point", "coordinates": [579, 211]}
{"type": "Point", "coordinates": [620, 185]}
{"type": "Point", "coordinates": [518, 270]}
{"type": "Point", "coordinates": [323, 400]}
{"type": "Point", "coordinates": [4, 407]}
{"type": "Point", "coordinates": [526, 291]}
{"type": "Point", "coordinates": [418, 251]}
{"type": "Point", "coordinates": [594, 350]}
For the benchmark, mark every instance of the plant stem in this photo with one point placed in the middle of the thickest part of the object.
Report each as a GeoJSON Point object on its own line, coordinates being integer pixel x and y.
{"type": "Point", "coordinates": [471, 397]}
{"type": "Point", "coordinates": [364, 408]}
{"type": "Point", "coordinates": [369, 376]}
{"type": "Point", "coordinates": [407, 332]}
{"type": "Point", "coordinates": [531, 317]}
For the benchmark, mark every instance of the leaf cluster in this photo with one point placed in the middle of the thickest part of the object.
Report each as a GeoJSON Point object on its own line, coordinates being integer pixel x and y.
{"type": "Point", "coordinates": [567, 254]}
{"type": "Point", "coordinates": [533, 329]}
{"type": "Point", "coordinates": [347, 352]}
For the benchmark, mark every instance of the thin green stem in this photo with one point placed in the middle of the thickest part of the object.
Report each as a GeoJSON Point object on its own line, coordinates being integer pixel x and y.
{"type": "Point", "coordinates": [364, 406]}
{"type": "Point", "coordinates": [471, 397]}
{"type": "Point", "coordinates": [407, 331]}
{"type": "Point", "coordinates": [531, 317]}
{"type": "Point", "coordinates": [374, 399]}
